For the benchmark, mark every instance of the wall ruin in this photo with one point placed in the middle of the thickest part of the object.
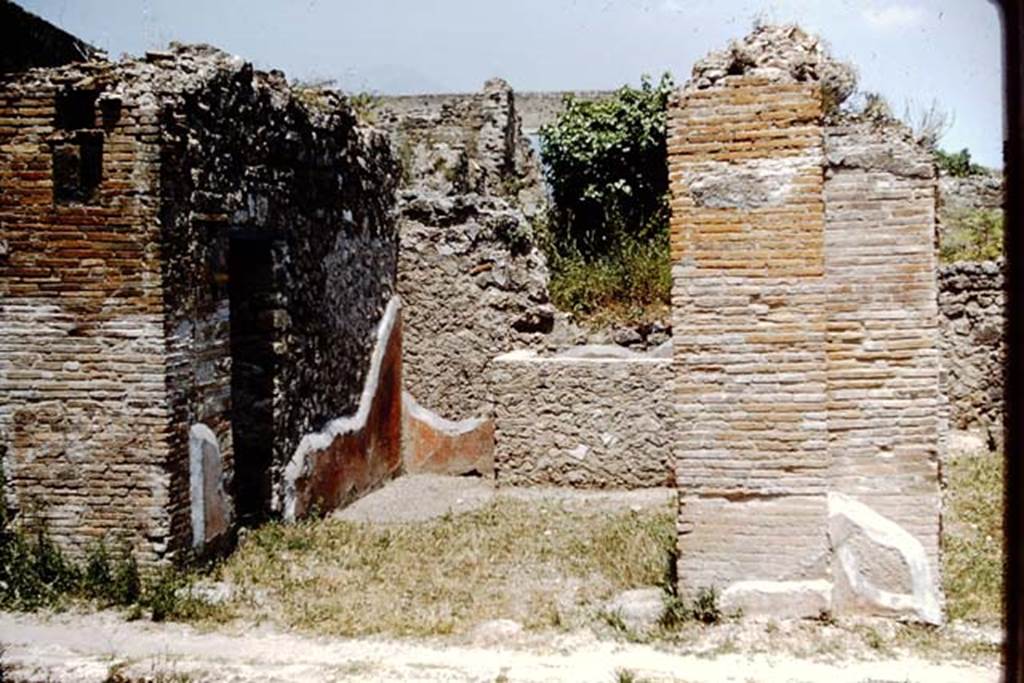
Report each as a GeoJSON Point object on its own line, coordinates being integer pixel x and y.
{"type": "Point", "coordinates": [589, 417]}
{"type": "Point", "coordinates": [473, 281]}
{"type": "Point", "coordinates": [128, 194]}
{"type": "Point", "coordinates": [972, 320]}
{"type": "Point", "coordinates": [807, 371]}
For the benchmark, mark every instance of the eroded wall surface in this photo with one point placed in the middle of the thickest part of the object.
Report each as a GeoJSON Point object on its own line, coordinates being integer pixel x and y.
{"type": "Point", "coordinates": [806, 358]}
{"type": "Point", "coordinates": [599, 422]}
{"type": "Point", "coordinates": [973, 315]}
{"type": "Point", "coordinates": [472, 280]}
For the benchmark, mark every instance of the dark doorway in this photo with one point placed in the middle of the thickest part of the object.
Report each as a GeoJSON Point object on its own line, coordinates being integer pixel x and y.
{"type": "Point", "coordinates": [254, 300]}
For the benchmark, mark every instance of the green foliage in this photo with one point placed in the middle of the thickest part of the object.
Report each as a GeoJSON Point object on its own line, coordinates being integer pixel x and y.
{"type": "Point", "coordinates": [605, 161]}
{"type": "Point", "coordinates": [972, 557]}
{"type": "Point", "coordinates": [365, 106]}
{"type": "Point", "coordinates": [972, 235]}
{"type": "Point", "coordinates": [34, 573]}
{"type": "Point", "coordinates": [957, 164]}
{"type": "Point", "coordinates": [705, 607]}
{"type": "Point", "coordinates": [632, 283]}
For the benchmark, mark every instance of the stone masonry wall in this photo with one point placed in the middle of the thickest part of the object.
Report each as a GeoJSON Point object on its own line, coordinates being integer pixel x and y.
{"type": "Point", "coordinates": [972, 308]}
{"type": "Point", "coordinates": [473, 283]}
{"type": "Point", "coordinates": [806, 363]}
{"type": "Point", "coordinates": [582, 422]}
{"type": "Point", "coordinates": [292, 187]}
{"type": "Point", "coordinates": [149, 210]}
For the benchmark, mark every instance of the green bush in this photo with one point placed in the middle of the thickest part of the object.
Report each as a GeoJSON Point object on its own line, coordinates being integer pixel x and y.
{"type": "Point", "coordinates": [972, 235]}
{"type": "Point", "coordinates": [957, 164]}
{"type": "Point", "coordinates": [605, 161]}
{"type": "Point", "coordinates": [607, 232]}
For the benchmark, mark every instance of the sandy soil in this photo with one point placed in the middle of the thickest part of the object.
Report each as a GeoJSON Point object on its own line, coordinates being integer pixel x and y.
{"type": "Point", "coordinates": [84, 648]}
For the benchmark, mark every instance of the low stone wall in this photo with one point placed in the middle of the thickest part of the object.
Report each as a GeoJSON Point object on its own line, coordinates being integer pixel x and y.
{"type": "Point", "coordinates": [971, 318]}
{"type": "Point", "coordinates": [566, 420]}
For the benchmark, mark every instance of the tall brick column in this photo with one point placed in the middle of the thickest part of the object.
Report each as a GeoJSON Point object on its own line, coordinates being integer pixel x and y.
{"type": "Point", "coordinates": [806, 370]}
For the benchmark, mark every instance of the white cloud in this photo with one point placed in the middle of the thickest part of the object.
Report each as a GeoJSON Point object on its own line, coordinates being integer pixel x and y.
{"type": "Point", "coordinates": [893, 16]}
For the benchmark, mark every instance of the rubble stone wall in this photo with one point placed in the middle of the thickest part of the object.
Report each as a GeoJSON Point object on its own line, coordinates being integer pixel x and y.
{"type": "Point", "coordinates": [473, 282]}
{"type": "Point", "coordinates": [972, 320]}
{"type": "Point", "coordinates": [535, 108]}
{"type": "Point", "coordinates": [583, 422]}
{"type": "Point", "coordinates": [806, 353]}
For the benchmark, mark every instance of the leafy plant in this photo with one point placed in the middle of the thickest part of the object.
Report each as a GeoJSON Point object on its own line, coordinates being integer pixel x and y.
{"type": "Point", "coordinates": [957, 164]}
{"type": "Point", "coordinates": [605, 163]}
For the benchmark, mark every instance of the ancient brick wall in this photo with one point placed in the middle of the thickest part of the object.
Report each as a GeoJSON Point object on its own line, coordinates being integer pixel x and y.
{"type": "Point", "coordinates": [886, 411]}
{"type": "Point", "coordinates": [586, 422]}
{"type": "Point", "coordinates": [806, 361]}
{"type": "Point", "coordinates": [972, 319]}
{"type": "Point", "coordinates": [182, 234]}
{"type": "Point", "coordinates": [84, 411]}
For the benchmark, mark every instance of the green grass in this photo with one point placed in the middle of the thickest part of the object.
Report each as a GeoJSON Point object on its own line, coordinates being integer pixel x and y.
{"type": "Point", "coordinates": [973, 537]}
{"type": "Point", "coordinates": [631, 285]}
{"type": "Point", "coordinates": [537, 564]}
{"type": "Point", "coordinates": [972, 235]}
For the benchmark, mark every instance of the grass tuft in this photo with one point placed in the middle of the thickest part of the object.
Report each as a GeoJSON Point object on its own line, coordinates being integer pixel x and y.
{"type": "Point", "coordinates": [540, 565]}
{"type": "Point", "coordinates": [972, 552]}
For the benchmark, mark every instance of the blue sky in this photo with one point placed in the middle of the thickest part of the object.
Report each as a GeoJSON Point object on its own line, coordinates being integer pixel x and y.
{"type": "Point", "coordinates": [911, 51]}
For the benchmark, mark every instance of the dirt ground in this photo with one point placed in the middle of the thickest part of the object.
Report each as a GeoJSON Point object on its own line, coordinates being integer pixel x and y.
{"type": "Point", "coordinates": [93, 647]}
{"type": "Point", "coordinates": [105, 647]}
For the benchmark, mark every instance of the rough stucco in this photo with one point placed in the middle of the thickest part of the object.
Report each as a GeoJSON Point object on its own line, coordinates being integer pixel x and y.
{"type": "Point", "coordinates": [973, 316]}
{"type": "Point", "coordinates": [473, 282]}
{"type": "Point", "coordinates": [582, 422]}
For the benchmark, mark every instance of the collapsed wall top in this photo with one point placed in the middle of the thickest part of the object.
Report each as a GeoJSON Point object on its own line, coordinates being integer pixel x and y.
{"type": "Point", "coordinates": [779, 52]}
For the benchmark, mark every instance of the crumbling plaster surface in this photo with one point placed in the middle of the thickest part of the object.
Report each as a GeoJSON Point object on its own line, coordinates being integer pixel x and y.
{"type": "Point", "coordinates": [583, 421]}
{"type": "Point", "coordinates": [434, 445]}
{"type": "Point", "coordinates": [473, 280]}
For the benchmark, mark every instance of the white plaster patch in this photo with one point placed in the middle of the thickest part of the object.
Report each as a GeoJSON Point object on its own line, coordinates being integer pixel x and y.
{"type": "Point", "coordinates": [200, 438]}
{"type": "Point", "coordinates": [746, 184]}
{"type": "Point", "coordinates": [924, 600]}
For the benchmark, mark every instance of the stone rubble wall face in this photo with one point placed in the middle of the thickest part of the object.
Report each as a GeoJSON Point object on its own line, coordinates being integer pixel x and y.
{"type": "Point", "coordinates": [472, 282]}
{"type": "Point", "coordinates": [600, 423]}
{"type": "Point", "coordinates": [805, 354]}
{"type": "Point", "coordinates": [84, 413]}
{"type": "Point", "coordinates": [321, 190]}
{"type": "Point", "coordinates": [972, 320]}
